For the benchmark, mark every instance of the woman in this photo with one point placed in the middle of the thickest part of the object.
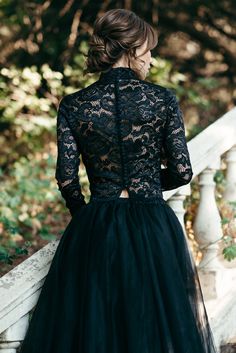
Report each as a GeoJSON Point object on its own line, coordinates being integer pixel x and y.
{"type": "Point", "coordinates": [122, 279]}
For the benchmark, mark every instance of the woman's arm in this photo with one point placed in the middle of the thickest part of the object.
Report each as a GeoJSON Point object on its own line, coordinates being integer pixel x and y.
{"type": "Point", "coordinates": [68, 161]}
{"type": "Point", "coordinates": [179, 169]}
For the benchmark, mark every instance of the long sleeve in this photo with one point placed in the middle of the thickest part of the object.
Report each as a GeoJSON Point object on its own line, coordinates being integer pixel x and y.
{"type": "Point", "coordinates": [67, 165]}
{"type": "Point", "coordinates": [178, 169]}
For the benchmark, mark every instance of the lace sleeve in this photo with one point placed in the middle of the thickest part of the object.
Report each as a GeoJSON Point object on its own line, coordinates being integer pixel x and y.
{"type": "Point", "coordinates": [67, 165]}
{"type": "Point", "coordinates": [178, 169]}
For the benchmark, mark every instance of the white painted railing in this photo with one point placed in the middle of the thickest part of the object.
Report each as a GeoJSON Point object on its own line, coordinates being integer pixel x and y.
{"type": "Point", "coordinates": [20, 288]}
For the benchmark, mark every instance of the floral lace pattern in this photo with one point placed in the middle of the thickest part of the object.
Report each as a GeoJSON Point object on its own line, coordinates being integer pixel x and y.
{"type": "Point", "coordinates": [123, 128]}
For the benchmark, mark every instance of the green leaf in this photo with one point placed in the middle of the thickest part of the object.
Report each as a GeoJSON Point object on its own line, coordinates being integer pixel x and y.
{"type": "Point", "coordinates": [45, 234]}
{"type": "Point", "coordinates": [224, 220]}
{"type": "Point", "coordinates": [229, 252]}
{"type": "Point", "coordinates": [21, 251]}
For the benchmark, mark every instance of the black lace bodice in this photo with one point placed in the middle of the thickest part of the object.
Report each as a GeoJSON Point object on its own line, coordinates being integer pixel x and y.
{"type": "Point", "coordinates": [123, 128]}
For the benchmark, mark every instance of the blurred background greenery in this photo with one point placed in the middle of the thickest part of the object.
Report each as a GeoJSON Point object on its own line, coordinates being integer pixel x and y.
{"type": "Point", "coordinates": [42, 56]}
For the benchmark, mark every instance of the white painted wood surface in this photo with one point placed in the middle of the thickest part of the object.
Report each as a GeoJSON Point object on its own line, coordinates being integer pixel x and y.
{"type": "Point", "coordinates": [230, 188]}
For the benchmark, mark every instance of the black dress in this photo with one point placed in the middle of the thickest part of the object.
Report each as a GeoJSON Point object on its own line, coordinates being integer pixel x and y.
{"type": "Point", "coordinates": [122, 279]}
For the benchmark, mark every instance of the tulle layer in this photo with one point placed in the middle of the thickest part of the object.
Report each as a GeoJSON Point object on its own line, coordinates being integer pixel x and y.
{"type": "Point", "coordinates": [122, 280]}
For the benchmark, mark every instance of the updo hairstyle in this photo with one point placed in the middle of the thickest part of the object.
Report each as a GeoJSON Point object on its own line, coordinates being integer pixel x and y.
{"type": "Point", "coordinates": [118, 32]}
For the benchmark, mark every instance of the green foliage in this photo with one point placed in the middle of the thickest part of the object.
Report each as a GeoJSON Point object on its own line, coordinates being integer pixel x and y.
{"type": "Point", "coordinates": [28, 104]}
{"type": "Point", "coordinates": [163, 73]}
{"type": "Point", "coordinates": [27, 195]}
{"type": "Point", "coordinates": [28, 191]}
{"type": "Point", "coordinates": [45, 233]}
{"type": "Point", "coordinates": [228, 221]}
{"type": "Point", "coordinates": [15, 252]}
{"type": "Point", "coordinates": [219, 177]}
{"type": "Point", "coordinates": [229, 251]}
{"type": "Point", "coordinates": [227, 213]}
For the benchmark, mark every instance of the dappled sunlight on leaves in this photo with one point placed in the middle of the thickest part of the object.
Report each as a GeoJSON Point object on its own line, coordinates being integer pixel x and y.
{"type": "Point", "coordinates": [31, 208]}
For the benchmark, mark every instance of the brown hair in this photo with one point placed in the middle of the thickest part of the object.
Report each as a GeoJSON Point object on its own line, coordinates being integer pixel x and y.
{"type": "Point", "coordinates": [117, 32]}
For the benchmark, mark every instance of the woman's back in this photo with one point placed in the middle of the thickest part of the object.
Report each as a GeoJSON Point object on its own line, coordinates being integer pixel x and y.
{"type": "Point", "coordinates": [121, 125]}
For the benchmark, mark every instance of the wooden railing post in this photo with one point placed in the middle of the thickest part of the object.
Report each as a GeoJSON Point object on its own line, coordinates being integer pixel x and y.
{"type": "Point", "coordinates": [176, 202]}
{"type": "Point", "coordinates": [230, 187]}
{"type": "Point", "coordinates": [208, 233]}
{"type": "Point", "coordinates": [207, 225]}
{"type": "Point", "coordinates": [11, 338]}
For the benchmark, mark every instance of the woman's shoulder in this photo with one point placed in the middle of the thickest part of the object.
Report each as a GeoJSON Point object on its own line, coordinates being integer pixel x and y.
{"type": "Point", "coordinates": [159, 88]}
{"type": "Point", "coordinates": [80, 93]}
{"type": "Point", "coordinates": [167, 94]}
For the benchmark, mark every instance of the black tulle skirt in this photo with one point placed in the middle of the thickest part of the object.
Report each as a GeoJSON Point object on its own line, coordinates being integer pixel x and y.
{"type": "Point", "coordinates": [122, 280]}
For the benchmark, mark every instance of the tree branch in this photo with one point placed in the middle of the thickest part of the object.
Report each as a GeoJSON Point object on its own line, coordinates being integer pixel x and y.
{"type": "Point", "coordinates": [202, 37]}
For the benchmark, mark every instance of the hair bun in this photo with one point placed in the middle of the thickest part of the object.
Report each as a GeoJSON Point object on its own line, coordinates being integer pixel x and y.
{"type": "Point", "coordinates": [97, 41]}
{"type": "Point", "coordinates": [117, 32]}
{"type": "Point", "coordinates": [97, 57]}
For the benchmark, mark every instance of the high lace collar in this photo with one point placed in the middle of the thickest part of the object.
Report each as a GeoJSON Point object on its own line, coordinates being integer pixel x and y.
{"type": "Point", "coordinates": [119, 72]}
